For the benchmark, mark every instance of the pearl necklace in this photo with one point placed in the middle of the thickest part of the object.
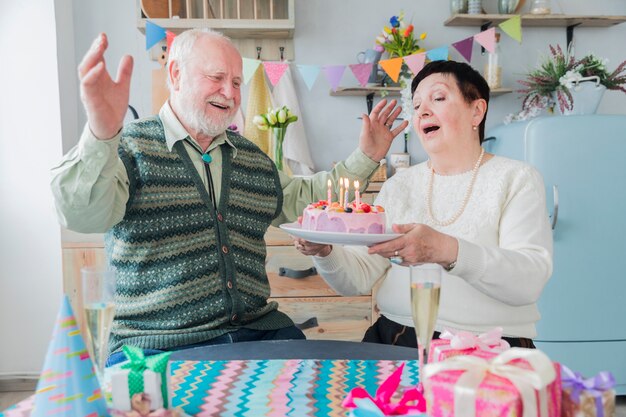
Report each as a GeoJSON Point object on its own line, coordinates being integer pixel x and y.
{"type": "Point", "coordinates": [468, 193]}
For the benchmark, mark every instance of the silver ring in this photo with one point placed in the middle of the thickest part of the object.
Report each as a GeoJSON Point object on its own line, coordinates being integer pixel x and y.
{"type": "Point", "coordinates": [396, 253]}
{"type": "Point", "coordinates": [396, 259]}
{"type": "Point", "coordinates": [388, 125]}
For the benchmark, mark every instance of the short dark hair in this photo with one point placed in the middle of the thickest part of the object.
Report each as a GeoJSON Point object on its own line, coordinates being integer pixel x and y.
{"type": "Point", "coordinates": [471, 84]}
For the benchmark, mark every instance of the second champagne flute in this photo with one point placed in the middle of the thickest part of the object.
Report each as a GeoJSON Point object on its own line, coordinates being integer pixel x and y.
{"type": "Point", "coordinates": [425, 291]}
{"type": "Point", "coordinates": [99, 306]}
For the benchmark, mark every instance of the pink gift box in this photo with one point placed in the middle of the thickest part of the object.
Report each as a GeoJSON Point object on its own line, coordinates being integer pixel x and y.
{"type": "Point", "coordinates": [486, 345]}
{"type": "Point", "coordinates": [518, 382]}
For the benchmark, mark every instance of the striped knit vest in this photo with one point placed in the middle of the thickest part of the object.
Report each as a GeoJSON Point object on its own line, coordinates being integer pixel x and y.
{"type": "Point", "coordinates": [187, 274]}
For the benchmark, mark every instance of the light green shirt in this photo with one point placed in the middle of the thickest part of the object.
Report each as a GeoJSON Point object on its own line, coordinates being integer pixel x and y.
{"type": "Point", "coordinates": [91, 187]}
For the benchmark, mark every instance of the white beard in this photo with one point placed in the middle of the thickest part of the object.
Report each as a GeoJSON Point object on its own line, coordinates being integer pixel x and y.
{"type": "Point", "coordinates": [196, 118]}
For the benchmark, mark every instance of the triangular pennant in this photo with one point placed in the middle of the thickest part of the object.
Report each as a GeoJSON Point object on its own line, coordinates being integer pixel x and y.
{"type": "Point", "coordinates": [415, 62]}
{"type": "Point", "coordinates": [465, 48]}
{"type": "Point", "coordinates": [309, 74]}
{"type": "Point", "coordinates": [487, 39]}
{"type": "Point", "coordinates": [249, 68]}
{"type": "Point", "coordinates": [154, 33]}
{"type": "Point", "coordinates": [438, 54]}
{"type": "Point", "coordinates": [513, 27]}
{"type": "Point", "coordinates": [170, 38]}
{"type": "Point", "coordinates": [362, 72]}
{"type": "Point", "coordinates": [275, 71]}
{"type": "Point", "coordinates": [333, 74]}
{"type": "Point", "coordinates": [68, 385]}
{"type": "Point", "coordinates": [392, 67]}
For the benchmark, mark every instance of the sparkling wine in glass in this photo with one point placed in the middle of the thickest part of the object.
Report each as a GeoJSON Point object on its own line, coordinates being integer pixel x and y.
{"type": "Point", "coordinates": [98, 303]}
{"type": "Point", "coordinates": [425, 290]}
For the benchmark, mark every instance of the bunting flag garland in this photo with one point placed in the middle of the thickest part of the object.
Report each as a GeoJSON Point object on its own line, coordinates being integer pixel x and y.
{"type": "Point", "coordinates": [154, 33]}
{"type": "Point", "coordinates": [438, 54]}
{"type": "Point", "coordinates": [513, 27]}
{"type": "Point", "coordinates": [275, 71]}
{"type": "Point", "coordinates": [309, 74]}
{"type": "Point", "coordinates": [392, 67]}
{"type": "Point", "coordinates": [170, 38]}
{"type": "Point", "coordinates": [333, 74]}
{"type": "Point", "coordinates": [249, 68]}
{"type": "Point", "coordinates": [415, 62]}
{"type": "Point", "coordinates": [465, 48]}
{"type": "Point", "coordinates": [362, 72]}
{"type": "Point", "coordinates": [68, 385]}
{"type": "Point", "coordinates": [487, 39]}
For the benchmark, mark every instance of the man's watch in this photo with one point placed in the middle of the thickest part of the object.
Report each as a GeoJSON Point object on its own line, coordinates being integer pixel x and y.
{"type": "Point", "coordinates": [450, 267]}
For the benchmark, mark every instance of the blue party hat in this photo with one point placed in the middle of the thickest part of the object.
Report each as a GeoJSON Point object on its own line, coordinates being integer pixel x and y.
{"type": "Point", "coordinates": [68, 385]}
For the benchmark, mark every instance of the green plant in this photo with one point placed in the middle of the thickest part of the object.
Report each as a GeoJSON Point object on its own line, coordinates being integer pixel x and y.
{"type": "Point", "coordinates": [398, 39]}
{"type": "Point", "coordinates": [278, 117]}
{"type": "Point", "coordinates": [559, 73]}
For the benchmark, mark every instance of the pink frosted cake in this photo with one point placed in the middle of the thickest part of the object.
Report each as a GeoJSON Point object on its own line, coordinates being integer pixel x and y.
{"type": "Point", "coordinates": [362, 219]}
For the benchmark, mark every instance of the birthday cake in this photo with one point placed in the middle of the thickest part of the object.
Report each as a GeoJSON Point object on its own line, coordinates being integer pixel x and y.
{"type": "Point", "coordinates": [351, 218]}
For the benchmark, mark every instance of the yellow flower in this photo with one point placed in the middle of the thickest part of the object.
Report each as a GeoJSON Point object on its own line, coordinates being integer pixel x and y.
{"type": "Point", "coordinates": [423, 36]}
{"type": "Point", "coordinates": [387, 29]}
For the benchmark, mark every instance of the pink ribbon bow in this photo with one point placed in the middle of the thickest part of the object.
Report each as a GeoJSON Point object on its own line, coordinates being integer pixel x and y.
{"type": "Point", "coordinates": [412, 400]}
{"type": "Point", "coordinates": [467, 340]}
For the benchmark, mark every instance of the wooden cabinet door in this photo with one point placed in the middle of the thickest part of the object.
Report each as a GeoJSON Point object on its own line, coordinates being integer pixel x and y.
{"type": "Point", "coordinates": [73, 260]}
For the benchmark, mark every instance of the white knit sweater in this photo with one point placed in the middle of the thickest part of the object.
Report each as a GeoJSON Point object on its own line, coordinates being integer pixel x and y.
{"type": "Point", "coordinates": [505, 248]}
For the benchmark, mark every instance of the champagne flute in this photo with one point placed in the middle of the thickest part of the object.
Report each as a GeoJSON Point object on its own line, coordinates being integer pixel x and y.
{"type": "Point", "coordinates": [425, 289]}
{"type": "Point", "coordinates": [98, 303]}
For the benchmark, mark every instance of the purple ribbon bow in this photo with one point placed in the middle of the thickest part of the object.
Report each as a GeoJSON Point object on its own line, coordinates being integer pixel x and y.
{"type": "Point", "coordinates": [595, 386]}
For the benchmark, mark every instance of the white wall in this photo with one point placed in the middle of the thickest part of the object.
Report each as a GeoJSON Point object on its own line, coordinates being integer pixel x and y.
{"type": "Point", "coordinates": [30, 143]}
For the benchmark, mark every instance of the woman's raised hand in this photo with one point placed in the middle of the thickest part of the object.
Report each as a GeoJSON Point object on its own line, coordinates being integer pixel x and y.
{"type": "Point", "coordinates": [105, 100]}
{"type": "Point", "coordinates": [376, 130]}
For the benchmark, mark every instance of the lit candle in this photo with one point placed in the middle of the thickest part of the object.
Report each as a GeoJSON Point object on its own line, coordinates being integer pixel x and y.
{"type": "Point", "coordinates": [330, 200]}
{"type": "Point", "coordinates": [357, 195]}
{"type": "Point", "coordinates": [340, 192]}
{"type": "Point", "coordinates": [347, 193]}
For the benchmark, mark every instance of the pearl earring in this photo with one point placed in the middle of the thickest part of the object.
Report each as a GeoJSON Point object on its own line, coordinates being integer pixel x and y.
{"type": "Point", "coordinates": [474, 128]}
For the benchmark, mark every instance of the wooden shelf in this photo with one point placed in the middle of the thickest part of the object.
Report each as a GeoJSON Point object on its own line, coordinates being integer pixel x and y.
{"type": "Point", "coordinates": [537, 20]}
{"type": "Point", "coordinates": [392, 91]}
{"type": "Point", "coordinates": [234, 28]}
{"type": "Point", "coordinates": [364, 91]}
{"type": "Point", "coordinates": [238, 19]}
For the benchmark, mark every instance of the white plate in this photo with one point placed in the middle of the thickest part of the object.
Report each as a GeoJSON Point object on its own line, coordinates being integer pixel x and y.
{"type": "Point", "coordinates": [359, 239]}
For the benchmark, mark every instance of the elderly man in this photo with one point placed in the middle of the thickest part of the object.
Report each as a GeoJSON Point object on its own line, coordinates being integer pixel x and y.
{"type": "Point", "coordinates": [185, 203]}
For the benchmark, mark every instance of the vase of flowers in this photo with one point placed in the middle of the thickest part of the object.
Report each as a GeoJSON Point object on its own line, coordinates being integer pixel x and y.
{"type": "Point", "coordinates": [399, 40]}
{"type": "Point", "coordinates": [568, 84]}
{"type": "Point", "coordinates": [276, 119]}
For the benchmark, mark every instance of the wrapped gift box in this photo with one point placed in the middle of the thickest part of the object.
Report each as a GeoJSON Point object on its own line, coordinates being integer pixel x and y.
{"type": "Point", "coordinates": [140, 375]}
{"type": "Point", "coordinates": [518, 382]}
{"type": "Point", "coordinates": [276, 387]}
{"type": "Point", "coordinates": [587, 397]}
{"type": "Point", "coordinates": [122, 394]}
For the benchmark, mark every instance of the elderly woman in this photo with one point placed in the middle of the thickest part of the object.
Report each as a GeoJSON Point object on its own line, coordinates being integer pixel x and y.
{"type": "Point", "coordinates": [481, 217]}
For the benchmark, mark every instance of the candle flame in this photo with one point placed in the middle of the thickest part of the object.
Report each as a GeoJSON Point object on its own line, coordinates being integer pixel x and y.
{"type": "Point", "coordinates": [356, 185]}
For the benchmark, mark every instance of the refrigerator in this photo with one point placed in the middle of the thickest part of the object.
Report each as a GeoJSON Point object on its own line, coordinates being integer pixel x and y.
{"type": "Point", "coordinates": [583, 163]}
